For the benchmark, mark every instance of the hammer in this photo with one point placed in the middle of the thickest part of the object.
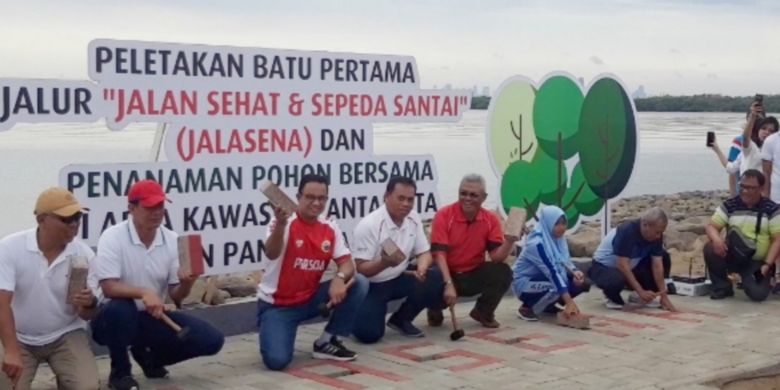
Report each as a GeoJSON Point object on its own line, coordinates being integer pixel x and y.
{"type": "Point", "coordinates": [325, 308]}
{"type": "Point", "coordinates": [457, 333]}
{"type": "Point", "coordinates": [181, 333]}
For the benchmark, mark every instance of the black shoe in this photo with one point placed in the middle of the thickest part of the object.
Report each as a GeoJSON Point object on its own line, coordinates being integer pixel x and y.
{"type": "Point", "coordinates": [435, 317]}
{"type": "Point", "coordinates": [406, 328]}
{"type": "Point", "coordinates": [526, 314]}
{"type": "Point", "coordinates": [721, 294]}
{"type": "Point", "coordinates": [333, 350]}
{"type": "Point", "coordinates": [123, 383]}
{"type": "Point", "coordinates": [143, 356]}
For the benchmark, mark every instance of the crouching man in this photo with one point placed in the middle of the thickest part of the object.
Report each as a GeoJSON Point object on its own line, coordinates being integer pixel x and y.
{"type": "Point", "coordinates": [38, 323]}
{"type": "Point", "coordinates": [137, 265]}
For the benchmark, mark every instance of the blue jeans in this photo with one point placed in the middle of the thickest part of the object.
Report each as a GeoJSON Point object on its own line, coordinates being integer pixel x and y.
{"type": "Point", "coordinates": [119, 325]}
{"type": "Point", "coordinates": [279, 324]}
{"type": "Point", "coordinates": [419, 295]}
{"type": "Point", "coordinates": [539, 293]}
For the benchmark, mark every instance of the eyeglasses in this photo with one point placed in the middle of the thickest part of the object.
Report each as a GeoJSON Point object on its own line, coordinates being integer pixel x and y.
{"type": "Point", "coordinates": [72, 220]}
{"type": "Point", "coordinates": [748, 188]}
{"type": "Point", "coordinates": [472, 195]}
{"type": "Point", "coordinates": [312, 198]}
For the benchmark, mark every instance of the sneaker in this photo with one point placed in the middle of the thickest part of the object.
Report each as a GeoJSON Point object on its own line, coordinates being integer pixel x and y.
{"type": "Point", "coordinates": [143, 356]}
{"type": "Point", "coordinates": [488, 321]}
{"type": "Point", "coordinates": [612, 305]}
{"type": "Point", "coordinates": [405, 328]}
{"type": "Point", "coordinates": [435, 318]}
{"type": "Point", "coordinates": [634, 298]}
{"type": "Point", "coordinates": [333, 350]}
{"type": "Point", "coordinates": [721, 294]}
{"type": "Point", "coordinates": [123, 383]}
{"type": "Point", "coordinates": [526, 314]}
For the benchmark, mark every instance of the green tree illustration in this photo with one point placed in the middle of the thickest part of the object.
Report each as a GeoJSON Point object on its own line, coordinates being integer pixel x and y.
{"type": "Point", "coordinates": [519, 188]}
{"type": "Point", "coordinates": [511, 129]}
{"type": "Point", "coordinates": [607, 138]}
{"type": "Point", "coordinates": [556, 123]}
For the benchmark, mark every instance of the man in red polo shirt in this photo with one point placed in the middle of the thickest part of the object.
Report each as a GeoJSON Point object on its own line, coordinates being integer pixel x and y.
{"type": "Point", "coordinates": [462, 232]}
{"type": "Point", "coordinates": [298, 250]}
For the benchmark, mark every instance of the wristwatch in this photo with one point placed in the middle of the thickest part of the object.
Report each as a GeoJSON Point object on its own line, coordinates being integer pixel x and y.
{"type": "Point", "coordinates": [446, 282]}
{"type": "Point", "coordinates": [341, 276]}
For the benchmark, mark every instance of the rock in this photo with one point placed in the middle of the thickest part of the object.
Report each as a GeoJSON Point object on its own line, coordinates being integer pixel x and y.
{"type": "Point", "coordinates": [682, 241]}
{"type": "Point", "coordinates": [584, 241]}
{"type": "Point", "coordinates": [238, 286]}
{"type": "Point", "coordinates": [197, 293]}
{"type": "Point", "coordinates": [220, 297]}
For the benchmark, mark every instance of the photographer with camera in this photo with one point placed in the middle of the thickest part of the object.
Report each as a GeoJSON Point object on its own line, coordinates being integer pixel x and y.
{"type": "Point", "coordinates": [756, 131]}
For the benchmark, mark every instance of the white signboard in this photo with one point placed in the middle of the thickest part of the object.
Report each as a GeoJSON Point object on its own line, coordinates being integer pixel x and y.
{"type": "Point", "coordinates": [238, 116]}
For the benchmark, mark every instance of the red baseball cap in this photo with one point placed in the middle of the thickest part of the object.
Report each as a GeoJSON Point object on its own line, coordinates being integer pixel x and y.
{"type": "Point", "coordinates": [148, 193]}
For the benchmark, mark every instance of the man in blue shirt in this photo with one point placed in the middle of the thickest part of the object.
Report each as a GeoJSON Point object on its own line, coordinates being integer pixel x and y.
{"type": "Point", "coordinates": [632, 255]}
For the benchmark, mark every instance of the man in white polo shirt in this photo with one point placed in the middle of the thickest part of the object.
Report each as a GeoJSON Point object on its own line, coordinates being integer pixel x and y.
{"type": "Point", "coordinates": [137, 265]}
{"type": "Point", "coordinates": [37, 324]}
{"type": "Point", "coordinates": [390, 280]}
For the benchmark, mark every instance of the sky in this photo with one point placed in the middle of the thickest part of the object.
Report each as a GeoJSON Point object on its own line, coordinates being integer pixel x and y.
{"type": "Point", "coordinates": [669, 47]}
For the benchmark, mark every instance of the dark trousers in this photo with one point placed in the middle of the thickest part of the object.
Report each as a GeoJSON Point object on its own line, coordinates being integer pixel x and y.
{"type": "Point", "coordinates": [119, 325]}
{"type": "Point", "coordinates": [370, 327]}
{"type": "Point", "coordinates": [541, 294]}
{"type": "Point", "coordinates": [612, 282]}
{"type": "Point", "coordinates": [490, 281]}
{"type": "Point", "coordinates": [755, 285]}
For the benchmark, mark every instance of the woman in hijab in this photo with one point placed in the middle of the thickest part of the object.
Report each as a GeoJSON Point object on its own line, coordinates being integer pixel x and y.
{"type": "Point", "coordinates": [544, 273]}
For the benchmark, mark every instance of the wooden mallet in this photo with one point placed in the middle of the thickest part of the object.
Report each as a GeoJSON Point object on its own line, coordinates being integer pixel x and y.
{"type": "Point", "coordinates": [325, 308]}
{"type": "Point", "coordinates": [457, 333]}
{"type": "Point", "coordinates": [181, 333]}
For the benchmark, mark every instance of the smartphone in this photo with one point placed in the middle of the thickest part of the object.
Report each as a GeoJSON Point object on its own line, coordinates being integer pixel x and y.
{"type": "Point", "coordinates": [758, 98]}
{"type": "Point", "coordinates": [710, 138]}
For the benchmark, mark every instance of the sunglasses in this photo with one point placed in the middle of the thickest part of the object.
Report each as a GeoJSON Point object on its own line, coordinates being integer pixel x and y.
{"type": "Point", "coordinates": [314, 198]}
{"type": "Point", "coordinates": [472, 195]}
{"type": "Point", "coordinates": [73, 219]}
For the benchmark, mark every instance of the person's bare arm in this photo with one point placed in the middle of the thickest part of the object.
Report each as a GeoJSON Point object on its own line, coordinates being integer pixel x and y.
{"type": "Point", "coordinates": [274, 245]}
{"type": "Point", "coordinates": [766, 166]}
{"type": "Point", "coordinates": [12, 359]}
{"type": "Point", "coordinates": [624, 266]}
{"type": "Point", "coordinates": [113, 288]}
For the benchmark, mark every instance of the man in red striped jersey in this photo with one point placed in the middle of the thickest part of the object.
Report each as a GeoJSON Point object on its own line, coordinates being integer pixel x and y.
{"type": "Point", "coordinates": [299, 248]}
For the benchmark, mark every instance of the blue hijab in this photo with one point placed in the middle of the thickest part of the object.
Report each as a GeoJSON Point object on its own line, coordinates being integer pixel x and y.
{"type": "Point", "coordinates": [556, 248]}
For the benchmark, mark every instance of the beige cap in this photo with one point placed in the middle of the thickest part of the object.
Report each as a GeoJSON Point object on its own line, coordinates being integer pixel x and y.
{"type": "Point", "coordinates": [59, 201]}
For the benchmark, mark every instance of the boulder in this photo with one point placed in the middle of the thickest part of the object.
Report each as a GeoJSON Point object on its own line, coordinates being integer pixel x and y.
{"type": "Point", "coordinates": [219, 297]}
{"type": "Point", "coordinates": [238, 286]}
{"type": "Point", "coordinates": [584, 241]}
{"type": "Point", "coordinates": [682, 241]}
{"type": "Point", "coordinates": [197, 293]}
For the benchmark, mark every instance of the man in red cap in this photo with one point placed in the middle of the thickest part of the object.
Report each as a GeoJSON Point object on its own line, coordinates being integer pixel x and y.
{"type": "Point", "coordinates": [38, 321]}
{"type": "Point", "coordinates": [137, 265]}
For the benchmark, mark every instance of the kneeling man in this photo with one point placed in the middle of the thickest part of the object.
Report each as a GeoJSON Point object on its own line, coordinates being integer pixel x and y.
{"type": "Point", "coordinates": [387, 272]}
{"type": "Point", "coordinates": [299, 249]}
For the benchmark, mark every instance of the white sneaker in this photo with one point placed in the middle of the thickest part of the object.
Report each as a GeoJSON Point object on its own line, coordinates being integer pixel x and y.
{"type": "Point", "coordinates": [612, 305]}
{"type": "Point", "coordinates": [634, 299]}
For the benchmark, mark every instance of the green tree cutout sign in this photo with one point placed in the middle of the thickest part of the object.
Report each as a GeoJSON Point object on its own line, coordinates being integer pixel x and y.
{"type": "Point", "coordinates": [555, 146]}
